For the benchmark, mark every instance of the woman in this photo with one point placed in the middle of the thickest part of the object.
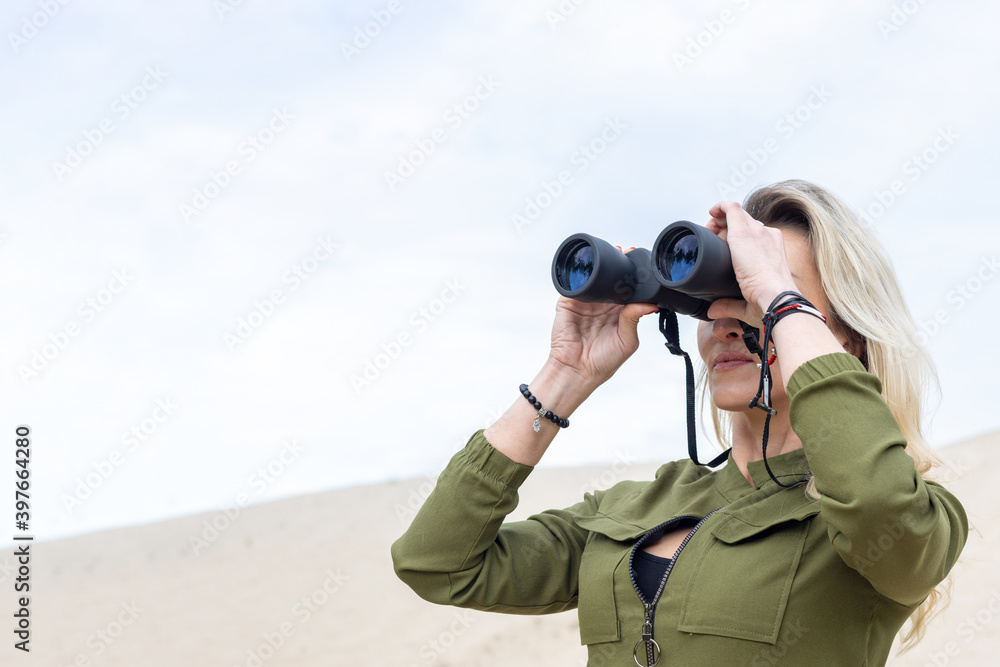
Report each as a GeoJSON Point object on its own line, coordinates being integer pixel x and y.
{"type": "Point", "coordinates": [815, 554]}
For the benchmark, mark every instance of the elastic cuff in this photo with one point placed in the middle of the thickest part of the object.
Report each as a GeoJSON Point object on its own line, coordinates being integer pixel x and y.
{"type": "Point", "coordinates": [820, 368]}
{"type": "Point", "coordinates": [481, 457]}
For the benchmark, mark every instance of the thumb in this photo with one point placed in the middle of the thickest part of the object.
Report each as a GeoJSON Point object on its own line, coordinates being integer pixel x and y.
{"type": "Point", "coordinates": [628, 321]}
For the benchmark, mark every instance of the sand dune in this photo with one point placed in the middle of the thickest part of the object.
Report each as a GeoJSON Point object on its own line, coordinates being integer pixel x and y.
{"type": "Point", "coordinates": [308, 581]}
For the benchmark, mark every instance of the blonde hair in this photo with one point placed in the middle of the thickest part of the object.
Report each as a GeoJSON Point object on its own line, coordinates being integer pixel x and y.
{"type": "Point", "coordinates": [867, 304]}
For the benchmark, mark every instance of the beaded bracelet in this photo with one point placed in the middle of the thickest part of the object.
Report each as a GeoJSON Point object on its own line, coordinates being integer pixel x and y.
{"type": "Point", "coordinates": [542, 412]}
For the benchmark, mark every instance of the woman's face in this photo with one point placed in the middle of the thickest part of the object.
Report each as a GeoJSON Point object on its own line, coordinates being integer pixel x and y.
{"type": "Point", "coordinates": [733, 375]}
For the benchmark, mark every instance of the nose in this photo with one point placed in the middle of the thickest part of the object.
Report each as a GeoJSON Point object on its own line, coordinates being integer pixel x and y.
{"type": "Point", "coordinates": [726, 329]}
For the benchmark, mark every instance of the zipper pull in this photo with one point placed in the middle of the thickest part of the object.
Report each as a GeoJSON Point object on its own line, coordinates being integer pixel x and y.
{"type": "Point", "coordinates": [652, 649]}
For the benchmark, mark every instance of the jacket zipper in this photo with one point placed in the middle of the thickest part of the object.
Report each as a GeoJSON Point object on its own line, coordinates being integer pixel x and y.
{"type": "Point", "coordinates": [650, 606]}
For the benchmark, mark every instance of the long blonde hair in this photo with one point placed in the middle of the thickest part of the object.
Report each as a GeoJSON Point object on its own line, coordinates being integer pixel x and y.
{"type": "Point", "coordinates": [868, 305]}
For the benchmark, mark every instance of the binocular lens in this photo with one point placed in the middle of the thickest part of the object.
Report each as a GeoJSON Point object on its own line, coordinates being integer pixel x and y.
{"type": "Point", "coordinates": [575, 266]}
{"type": "Point", "coordinates": [688, 268]}
{"type": "Point", "coordinates": [680, 256]}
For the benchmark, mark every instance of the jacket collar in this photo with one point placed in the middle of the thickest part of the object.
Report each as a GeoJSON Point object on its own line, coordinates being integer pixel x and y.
{"type": "Point", "coordinates": [788, 467]}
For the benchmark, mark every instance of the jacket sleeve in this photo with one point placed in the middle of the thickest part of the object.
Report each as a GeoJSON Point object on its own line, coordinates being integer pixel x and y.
{"type": "Point", "coordinates": [459, 551]}
{"type": "Point", "coordinates": [899, 531]}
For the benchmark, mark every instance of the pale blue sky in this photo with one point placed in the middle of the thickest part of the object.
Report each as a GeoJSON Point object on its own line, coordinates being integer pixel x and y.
{"type": "Point", "coordinates": [261, 111]}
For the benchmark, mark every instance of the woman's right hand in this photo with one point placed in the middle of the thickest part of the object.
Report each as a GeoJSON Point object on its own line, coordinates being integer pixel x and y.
{"type": "Point", "coordinates": [591, 341]}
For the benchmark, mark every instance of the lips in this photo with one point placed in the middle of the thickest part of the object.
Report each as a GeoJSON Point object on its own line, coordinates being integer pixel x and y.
{"type": "Point", "coordinates": [730, 360]}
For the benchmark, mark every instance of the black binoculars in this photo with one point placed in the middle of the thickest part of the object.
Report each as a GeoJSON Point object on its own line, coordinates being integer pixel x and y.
{"type": "Point", "coordinates": [688, 268]}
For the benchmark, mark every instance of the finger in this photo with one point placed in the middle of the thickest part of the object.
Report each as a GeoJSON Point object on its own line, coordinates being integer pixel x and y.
{"type": "Point", "coordinates": [722, 217]}
{"type": "Point", "coordinates": [716, 228]}
{"type": "Point", "coordinates": [721, 308]}
{"type": "Point", "coordinates": [739, 219]}
{"type": "Point", "coordinates": [722, 209]}
{"type": "Point", "coordinates": [628, 321]}
{"type": "Point", "coordinates": [639, 310]}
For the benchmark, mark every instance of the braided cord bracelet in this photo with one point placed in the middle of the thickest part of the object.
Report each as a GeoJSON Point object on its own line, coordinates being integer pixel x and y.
{"type": "Point", "coordinates": [796, 303]}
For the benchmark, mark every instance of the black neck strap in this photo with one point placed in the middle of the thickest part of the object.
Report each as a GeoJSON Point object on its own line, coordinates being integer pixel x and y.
{"type": "Point", "coordinates": [668, 327]}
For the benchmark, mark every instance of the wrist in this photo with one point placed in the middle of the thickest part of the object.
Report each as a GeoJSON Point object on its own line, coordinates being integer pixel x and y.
{"type": "Point", "coordinates": [560, 388]}
{"type": "Point", "coordinates": [767, 296]}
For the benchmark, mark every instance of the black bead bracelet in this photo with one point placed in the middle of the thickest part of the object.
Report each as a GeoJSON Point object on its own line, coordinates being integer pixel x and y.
{"type": "Point", "coordinates": [542, 412]}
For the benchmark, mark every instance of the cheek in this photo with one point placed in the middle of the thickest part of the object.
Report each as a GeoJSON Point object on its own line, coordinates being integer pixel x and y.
{"type": "Point", "coordinates": [704, 337]}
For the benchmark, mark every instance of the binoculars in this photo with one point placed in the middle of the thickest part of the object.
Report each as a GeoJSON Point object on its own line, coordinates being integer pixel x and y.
{"type": "Point", "coordinates": [688, 268]}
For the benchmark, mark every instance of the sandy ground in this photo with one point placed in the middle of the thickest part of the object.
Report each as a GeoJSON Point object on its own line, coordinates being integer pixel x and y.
{"type": "Point", "coordinates": [308, 581]}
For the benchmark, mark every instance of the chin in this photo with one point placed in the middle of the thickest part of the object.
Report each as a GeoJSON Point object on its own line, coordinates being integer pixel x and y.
{"type": "Point", "coordinates": [733, 401]}
{"type": "Point", "coordinates": [730, 392]}
{"type": "Point", "coordinates": [734, 389]}
{"type": "Point", "coordinates": [737, 398]}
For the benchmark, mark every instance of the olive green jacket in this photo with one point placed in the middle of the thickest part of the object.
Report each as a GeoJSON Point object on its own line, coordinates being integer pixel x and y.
{"type": "Point", "coordinates": [772, 578]}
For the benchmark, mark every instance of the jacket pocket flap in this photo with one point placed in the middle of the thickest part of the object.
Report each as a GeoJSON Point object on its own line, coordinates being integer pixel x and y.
{"type": "Point", "coordinates": [741, 525]}
{"type": "Point", "coordinates": [609, 527]}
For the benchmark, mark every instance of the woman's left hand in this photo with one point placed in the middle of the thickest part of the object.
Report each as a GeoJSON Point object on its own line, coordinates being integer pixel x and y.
{"type": "Point", "coordinates": [759, 261]}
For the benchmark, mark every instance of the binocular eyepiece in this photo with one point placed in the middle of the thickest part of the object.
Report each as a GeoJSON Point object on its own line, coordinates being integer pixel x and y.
{"type": "Point", "coordinates": [689, 268]}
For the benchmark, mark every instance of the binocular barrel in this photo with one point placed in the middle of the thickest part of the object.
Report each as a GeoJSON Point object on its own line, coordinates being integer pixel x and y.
{"type": "Point", "coordinates": [688, 268]}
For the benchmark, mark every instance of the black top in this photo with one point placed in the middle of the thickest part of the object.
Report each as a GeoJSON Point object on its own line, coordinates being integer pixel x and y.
{"type": "Point", "coordinates": [649, 571]}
